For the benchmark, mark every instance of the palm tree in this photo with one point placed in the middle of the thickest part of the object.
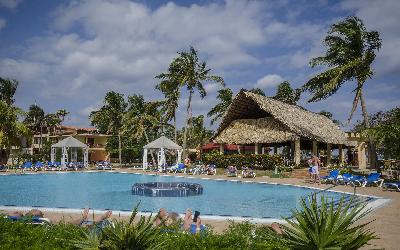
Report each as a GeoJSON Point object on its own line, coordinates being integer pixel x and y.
{"type": "Point", "coordinates": [170, 105]}
{"type": "Point", "coordinates": [108, 119]}
{"type": "Point", "coordinates": [35, 121]}
{"type": "Point", "coordinates": [285, 93]}
{"type": "Point", "coordinates": [351, 51]}
{"type": "Point", "coordinates": [188, 72]}
{"type": "Point", "coordinates": [225, 97]}
{"type": "Point", "coordinates": [141, 118]}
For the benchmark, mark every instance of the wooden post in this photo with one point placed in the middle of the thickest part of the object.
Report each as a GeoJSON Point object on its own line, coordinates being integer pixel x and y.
{"type": "Point", "coordinates": [297, 151]}
{"type": "Point", "coordinates": [275, 150]}
{"type": "Point", "coordinates": [315, 148]}
{"type": "Point", "coordinates": [362, 158]}
{"type": "Point", "coordinates": [256, 146]}
{"type": "Point", "coordinates": [221, 149]}
{"type": "Point", "coordinates": [328, 154]}
{"type": "Point", "coordinates": [238, 148]}
{"type": "Point", "coordinates": [341, 155]}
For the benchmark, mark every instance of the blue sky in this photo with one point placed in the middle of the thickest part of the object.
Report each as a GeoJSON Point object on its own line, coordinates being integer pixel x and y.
{"type": "Point", "coordinates": [68, 54]}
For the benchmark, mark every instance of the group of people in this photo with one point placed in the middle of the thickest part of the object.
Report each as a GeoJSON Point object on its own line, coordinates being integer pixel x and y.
{"type": "Point", "coordinates": [190, 223]}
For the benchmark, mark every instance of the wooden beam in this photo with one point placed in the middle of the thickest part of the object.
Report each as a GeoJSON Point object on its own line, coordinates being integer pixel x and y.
{"type": "Point", "coordinates": [341, 154]}
{"type": "Point", "coordinates": [221, 149]}
{"type": "Point", "coordinates": [297, 151]}
{"type": "Point", "coordinates": [256, 148]}
{"type": "Point", "coordinates": [328, 154]}
{"type": "Point", "coordinates": [315, 148]}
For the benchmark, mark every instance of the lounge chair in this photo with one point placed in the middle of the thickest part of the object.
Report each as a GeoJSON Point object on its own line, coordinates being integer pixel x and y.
{"type": "Point", "coordinates": [248, 173]}
{"type": "Point", "coordinates": [193, 228]}
{"type": "Point", "coordinates": [372, 179]}
{"type": "Point", "coordinates": [181, 168]}
{"type": "Point", "coordinates": [100, 165]}
{"type": "Point", "coordinates": [38, 166]}
{"type": "Point", "coordinates": [107, 165]}
{"type": "Point", "coordinates": [211, 170]}
{"type": "Point", "coordinates": [29, 220]}
{"type": "Point", "coordinates": [391, 186]}
{"type": "Point", "coordinates": [332, 177]}
{"type": "Point", "coordinates": [26, 166]}
{"type": "Point", "coordinates": [344, 178]}
{"type": "Point", "coordinates": [231, 171]}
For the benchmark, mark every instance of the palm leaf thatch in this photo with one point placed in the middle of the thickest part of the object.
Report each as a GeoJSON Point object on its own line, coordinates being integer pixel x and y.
{"type": "Point", "coordinates": [285, 122]}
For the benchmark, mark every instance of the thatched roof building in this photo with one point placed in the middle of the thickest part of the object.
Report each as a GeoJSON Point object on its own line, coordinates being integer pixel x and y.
{"type": "Point", "coordinates": [253, 118]}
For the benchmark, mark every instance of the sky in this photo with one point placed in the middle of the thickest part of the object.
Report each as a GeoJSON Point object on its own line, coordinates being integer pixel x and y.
{"type": "Point", "coordinates": [68, 54]}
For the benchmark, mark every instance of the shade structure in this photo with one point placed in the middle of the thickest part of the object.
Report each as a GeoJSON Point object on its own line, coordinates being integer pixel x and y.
{"type": "Point", "coordinates": [73, 144]}
{"type": "Point", "coordinates": [161, 144]}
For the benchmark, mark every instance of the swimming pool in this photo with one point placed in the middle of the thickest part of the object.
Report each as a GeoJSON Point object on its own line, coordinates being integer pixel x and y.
{"type": "Point", "coordinates": [112, 190]}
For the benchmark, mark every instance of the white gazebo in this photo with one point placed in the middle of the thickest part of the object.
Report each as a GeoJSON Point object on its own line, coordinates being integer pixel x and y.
{"type": "Point", "coordinates": [161, 145]}
{"type": "Point", "coordinates": [72, 144]}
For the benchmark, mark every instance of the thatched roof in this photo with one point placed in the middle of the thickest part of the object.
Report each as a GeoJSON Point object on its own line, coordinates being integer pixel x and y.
{"type": "Point", "coordinates": [292, 120]}
{"type": "Point", "coordinates": [262, 130]}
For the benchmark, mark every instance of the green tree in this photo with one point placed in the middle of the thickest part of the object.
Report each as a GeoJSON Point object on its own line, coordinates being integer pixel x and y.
{"type": "Point", "coordinates": [199, 134]}
{"type": "Point", "coordinates": [11, 129]}
{"type": "Point", "coordinates": [108, 119]}
{"type": "Point", "coordinates": [285, 93]}
{"type": "Point", "coordinates": [257, 91]}
{"type": "Point", "coordinates": [330, 116]}
{"type": "Point", "coordinates": [143, 119]}
{"type": "Point", "coordinates": [350, 53]}
{"type": "Point", "coordinates": [385, 130]}
{"type": "Point", "coordinates": [35, 121]}
{"type": "Point", "coordinates": [8, 87]}
{"type": "Point", "coordinates": [187, 71]}
{"type": "Point", "coordinates": [172, 94]}
{"type": "Point", "coordinates": [224, 97]}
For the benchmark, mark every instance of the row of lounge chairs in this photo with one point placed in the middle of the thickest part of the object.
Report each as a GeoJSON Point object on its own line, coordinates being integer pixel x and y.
{"type": "Point", "coordinates": [51, 166]}
{"type": "Point", "coordinates": [373, 179]}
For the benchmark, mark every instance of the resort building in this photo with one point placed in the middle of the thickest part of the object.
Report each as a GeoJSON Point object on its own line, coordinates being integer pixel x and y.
{"type": "Point", "coordinates": [89, 136]}
{"type": "Point", "coordinates": [272, 127]}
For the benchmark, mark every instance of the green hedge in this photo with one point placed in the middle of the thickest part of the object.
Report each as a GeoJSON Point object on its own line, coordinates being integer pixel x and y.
{"type": "Point", "coordinates": [260, 162]}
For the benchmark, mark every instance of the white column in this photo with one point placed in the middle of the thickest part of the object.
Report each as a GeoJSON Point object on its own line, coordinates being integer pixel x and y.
{"type": "Point", "coordinates": [221, 149]}
{"type": "Point", "coordinates": [179, 157]}
{"type": "Point", "coordinates": [256, 146]}
{"type": "Point", "coordinates": [162, 158]}
{"type": "Point", "coordinates": [145, 164]}
{"type": "Point", "coordinates": [64, 157]}
{"type": "Point", "coordinates": [86, 157]}
{"type": "Point", "coordinates": [53, 154]}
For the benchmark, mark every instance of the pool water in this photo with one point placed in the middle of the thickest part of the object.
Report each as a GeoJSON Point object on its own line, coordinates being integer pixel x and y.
{"type": "Point", "coordinates": [102, 190]}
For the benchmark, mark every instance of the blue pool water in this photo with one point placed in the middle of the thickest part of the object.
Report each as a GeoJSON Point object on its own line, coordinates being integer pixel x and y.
{"type": "Point", "coordinates": [113, 191]}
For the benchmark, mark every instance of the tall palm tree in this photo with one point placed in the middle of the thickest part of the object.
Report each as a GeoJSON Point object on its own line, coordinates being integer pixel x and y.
{"type": "Point", "coordinates": [170, 105]}
{"type": "Point", "coordinates": [108, 119]}
{"type": "Point", "coordinates": [188, 72]}
{"type": "Point", "coordinates": [350, 53]}
{"type": "Point", "coordinates": [225, 97]}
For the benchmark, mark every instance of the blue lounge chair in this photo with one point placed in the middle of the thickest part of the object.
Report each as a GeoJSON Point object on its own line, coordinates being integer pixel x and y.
{"type": "Point", "coordinates": [181, 168]}
{"type": "Point", "coordinates": [38, 165]}
{"type": "Point", "coordinates": [391, 186]}
{"type": "Point", "coordinates": [344, 178]}
{"type": "Point", "coordinates": [372, 179]}
{"type": "Point", "coordinates": [332, 177]}
{"type": "Point", "coordinates": [27, 165]}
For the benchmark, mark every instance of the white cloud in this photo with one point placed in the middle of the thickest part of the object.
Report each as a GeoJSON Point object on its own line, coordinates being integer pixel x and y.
{"type": "Point", "coordinates": [2, 23]}
{"type": "Point", "coordinates": [268, 81]}
{"type": "Point", "coordinates": [10, 4]}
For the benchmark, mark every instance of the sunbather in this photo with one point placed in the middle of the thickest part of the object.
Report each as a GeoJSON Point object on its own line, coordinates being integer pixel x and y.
{"type": "Point", "coordinates": [187, 220]}
{"type": "Point", "coordinates": [161, 217]}
{"type": "Point", "coordinates": [84, 222]}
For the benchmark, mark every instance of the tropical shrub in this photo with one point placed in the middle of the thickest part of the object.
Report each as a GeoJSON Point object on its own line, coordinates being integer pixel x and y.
{"type": "Point", "coordinates": [123, 235]}
{"type": "Point", "coordinates": [261, 161]}
{"type": "Point", "coordinates": [326, 226]}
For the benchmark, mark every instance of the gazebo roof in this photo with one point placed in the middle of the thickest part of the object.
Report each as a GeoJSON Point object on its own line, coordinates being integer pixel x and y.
{"type": "Point", "coordinates": [70, 142]}
{"type": "Point", "coordinates": [162, 142]}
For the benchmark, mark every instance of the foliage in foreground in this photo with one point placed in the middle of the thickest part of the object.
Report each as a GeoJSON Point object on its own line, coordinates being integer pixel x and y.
{"type": "Point", "coordinates": [317, 225]}
{"type": "Point", "coordinates": [324, 226]}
